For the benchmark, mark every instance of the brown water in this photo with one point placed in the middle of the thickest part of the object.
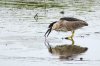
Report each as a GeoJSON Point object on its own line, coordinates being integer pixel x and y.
{"type": "Point", "coordinates": [22, 36]}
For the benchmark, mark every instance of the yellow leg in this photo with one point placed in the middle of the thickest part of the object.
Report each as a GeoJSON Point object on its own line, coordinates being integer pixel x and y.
{"type": "Point", "coordinates": [71, 37]}
{"type": "Point", "coordinates": [72, 43]}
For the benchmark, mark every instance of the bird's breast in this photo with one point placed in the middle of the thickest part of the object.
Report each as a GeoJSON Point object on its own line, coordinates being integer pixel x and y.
{"type": "Point", "coordinates": [59, 27]}
{"type": "Point", "coordinates": [63, 29]}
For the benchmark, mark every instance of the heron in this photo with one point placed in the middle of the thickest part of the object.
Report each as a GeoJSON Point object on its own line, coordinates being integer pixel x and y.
{"type": "Point", "coordinates": [66, 24]}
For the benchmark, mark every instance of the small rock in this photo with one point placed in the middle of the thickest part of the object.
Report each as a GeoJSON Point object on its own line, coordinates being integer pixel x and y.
{"type": "Point", "coordinates": [81, 59]}
{"type": "Point", "coordinates": [62, 12]}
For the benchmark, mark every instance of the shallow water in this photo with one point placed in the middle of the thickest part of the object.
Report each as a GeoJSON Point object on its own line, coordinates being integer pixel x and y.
{"type": "Point", "coordinates": [22, 36]}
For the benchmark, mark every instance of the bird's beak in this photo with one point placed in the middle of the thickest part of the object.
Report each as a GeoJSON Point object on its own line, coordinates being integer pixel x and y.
{"type": "Point", "coordinates": [47, 32]}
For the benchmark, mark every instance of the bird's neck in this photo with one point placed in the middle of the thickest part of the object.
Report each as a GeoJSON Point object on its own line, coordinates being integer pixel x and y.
{"type": "Point", "coordinates": [56, 26]}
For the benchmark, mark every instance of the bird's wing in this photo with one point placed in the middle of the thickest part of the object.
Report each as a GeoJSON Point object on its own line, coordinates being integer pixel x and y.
{"type": "Point", "coordinates": [72, 25]}
{"type": "Point", "coordinates": [69, 19]}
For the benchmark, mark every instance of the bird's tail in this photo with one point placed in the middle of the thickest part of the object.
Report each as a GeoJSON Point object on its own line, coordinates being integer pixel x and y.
{"type": "Point", "coordinates": [85, 23]}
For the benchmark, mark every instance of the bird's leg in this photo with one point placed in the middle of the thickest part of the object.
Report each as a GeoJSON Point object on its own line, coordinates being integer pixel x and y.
{"type": "Point", "coordinates": [71, 37]}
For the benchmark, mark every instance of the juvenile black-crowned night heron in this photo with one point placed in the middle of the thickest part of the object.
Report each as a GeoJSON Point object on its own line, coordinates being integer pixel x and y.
{"type": "Point", "coordinates": [66, 24]}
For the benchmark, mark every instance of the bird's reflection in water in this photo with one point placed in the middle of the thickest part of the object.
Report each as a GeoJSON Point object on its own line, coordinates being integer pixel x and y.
{"type": "Point", "coordinates": [66, 51]}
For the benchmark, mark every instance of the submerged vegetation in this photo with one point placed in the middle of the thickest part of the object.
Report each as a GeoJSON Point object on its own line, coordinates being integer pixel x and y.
{"type": "Point", "coordinates": [31, 4]}
{"type": "Point", "coordinates": [22, 4]}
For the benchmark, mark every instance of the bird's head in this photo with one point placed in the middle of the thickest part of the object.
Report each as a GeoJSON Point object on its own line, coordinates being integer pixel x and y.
{"type": "Point", "coordinates": [49, 29]}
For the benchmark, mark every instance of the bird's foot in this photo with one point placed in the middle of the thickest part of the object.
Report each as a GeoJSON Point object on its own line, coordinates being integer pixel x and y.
{"type": "Point", "coordinates": [69, 38]}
